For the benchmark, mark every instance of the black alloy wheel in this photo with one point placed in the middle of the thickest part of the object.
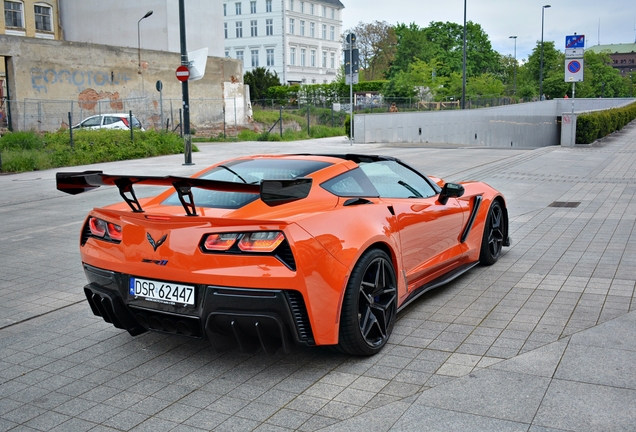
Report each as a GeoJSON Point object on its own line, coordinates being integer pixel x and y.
{"type": "Point", "coordinates": [370, 305]}
{"type": "Point", "coordinates": [494, 234]}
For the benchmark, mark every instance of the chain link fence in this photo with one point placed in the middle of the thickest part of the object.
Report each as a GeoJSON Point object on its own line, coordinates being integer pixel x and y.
{"type": "Point", "coordinates": [371, 103]}
{"type": "Point", "coordinates": [206, 115]}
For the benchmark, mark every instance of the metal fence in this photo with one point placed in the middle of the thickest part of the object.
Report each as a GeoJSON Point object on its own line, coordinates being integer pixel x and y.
{"type": "Point", "coordinates": [51, 115]}
{"type": "Point", "coordinates": [375, 103]}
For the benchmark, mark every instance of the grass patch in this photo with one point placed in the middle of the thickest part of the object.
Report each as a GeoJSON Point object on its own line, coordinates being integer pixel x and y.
{"type": "Point", "coordinates": [29, 151]}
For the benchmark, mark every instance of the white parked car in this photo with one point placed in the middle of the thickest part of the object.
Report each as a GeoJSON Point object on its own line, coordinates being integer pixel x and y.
{"type": "Point", "coordinates": [109, 121]}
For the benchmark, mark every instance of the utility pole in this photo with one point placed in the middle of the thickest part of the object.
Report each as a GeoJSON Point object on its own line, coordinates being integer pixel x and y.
{"type": "Point", "coordinates": [184, 89]}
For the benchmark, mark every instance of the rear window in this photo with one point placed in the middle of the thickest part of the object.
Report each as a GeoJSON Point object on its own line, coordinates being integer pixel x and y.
{"type": "Point", "coordinates": [250, 171]}
{"type": "Point", "coordinates": [110, 120]}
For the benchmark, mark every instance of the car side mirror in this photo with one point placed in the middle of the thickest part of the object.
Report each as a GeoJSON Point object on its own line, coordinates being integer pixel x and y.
{"type": "Point", "coordinates": [450, 190]}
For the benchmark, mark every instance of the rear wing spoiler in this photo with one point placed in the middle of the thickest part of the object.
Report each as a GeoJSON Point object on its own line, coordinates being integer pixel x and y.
{"type": "Point", "coordinates": [272, 192]}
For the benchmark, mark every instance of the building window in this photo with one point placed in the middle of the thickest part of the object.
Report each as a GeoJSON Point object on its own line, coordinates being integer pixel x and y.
{"type": "Point", "coordinates": [268, 5]}
{"type": "Point", "coordinates": [239, 55]}
{"type": "Point", "coordinates": [291, 5]}
{"type": "Point", "coordinates": [333, 13]}
{"type": "Point", "coordinates": [270, 56]}
{"type": "Point", "coordinates": [302, 56]}
{"type": "Point", "coordinates": [291, 26]}
{"type": "Point", "coordinates": [225, 29]}
{"type": "Point", "coordinates": [324, 31]}
{"type": "Point", "coordinates": [43, 18]}
{"type": "Point", "coordinates": [269, 27]}
{"type": "Point", "coordinates": [333, 60]}
{"type": "Point", "coordinates": [332, 32]}
{"type": "Point", "coordinates": [324, 11]}
{"type": "Point", "coordinates": [238, 8]}
{"type": "Point", "coordinates": [302, 28]}
{"type": "Point", "coordinates": [227, 53]}
{"type": "Point", "coordinates": [311, 8]}
{"type": "Point", "coordinates": [302, 7]}
{"type": "Point", "coordinates": [13, 14]}
{"type": "Point", "coordinates": [254, 28]}
{"type": "Point", "coordinates": [254, 58]}
{"type": "Point", "coordinates": [324, 59]}
{"type": "Point", "coordinates": [312, 58]}
{"type": "Point", "coordinates": [224, 9]}
{"type": "Point", "coordinates": [239, 29]}
{"type": "Point", "coordinates": [292, 56]}
{"type": "Point", "coordinates": [253, 7]}
{"type": "Point", "coordinates": [312, 29]}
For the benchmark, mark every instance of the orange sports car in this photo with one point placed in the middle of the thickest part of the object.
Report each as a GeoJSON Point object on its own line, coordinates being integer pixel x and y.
{"type": "Point", "coordinates": [272, 249]}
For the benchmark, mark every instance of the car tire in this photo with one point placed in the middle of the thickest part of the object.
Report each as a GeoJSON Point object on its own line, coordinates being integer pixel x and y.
{"type": "Point", "coordinates": [370, 305]}
{"type": "Point", "coordinates": [494, 235]}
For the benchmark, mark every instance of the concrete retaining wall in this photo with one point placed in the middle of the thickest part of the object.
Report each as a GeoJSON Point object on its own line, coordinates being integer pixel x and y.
{"type": "Point", "coordinates": [45, 71]}
{"type": "Point", "coordinates": [535, 124]}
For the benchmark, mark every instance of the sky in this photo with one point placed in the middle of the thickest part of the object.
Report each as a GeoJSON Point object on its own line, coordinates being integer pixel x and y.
{"type": "Point", "coordinates": [607, 21]}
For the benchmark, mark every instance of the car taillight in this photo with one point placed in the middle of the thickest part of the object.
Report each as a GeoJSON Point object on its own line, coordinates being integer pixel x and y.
{"type": "Point", "coordinates": [260, 241]}
{"type": "Point", "coordinates": [219, 242]}
{"type": "Point", "coordinates": [104, 230]}
{"type": "Point", "coordinates": [265, 241]}
{"type": "Point", "coordinates": [97, 226]}
{"type": "Point", "coordinates": [124, 121]}
{"type": "Point", "coordinates": [114, 231]}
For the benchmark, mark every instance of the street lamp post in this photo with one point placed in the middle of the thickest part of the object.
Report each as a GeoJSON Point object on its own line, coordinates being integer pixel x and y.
{"type": "Point", "coordinates": [464, 63]}
{"type": "Point", "coordinates": [139, 38]}
{"type": "Point", "coordinates": [514, 92]}
{"type": "Point", "coordinates": [543, 8]}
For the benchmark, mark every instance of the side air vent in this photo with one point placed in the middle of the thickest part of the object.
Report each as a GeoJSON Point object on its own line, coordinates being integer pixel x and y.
{"type": "Point", "coordinates": [301, 318]}
{"type": "Point", "coordinates": [86, 233]}
{"type": "Point", "coordinates": [284, 253]}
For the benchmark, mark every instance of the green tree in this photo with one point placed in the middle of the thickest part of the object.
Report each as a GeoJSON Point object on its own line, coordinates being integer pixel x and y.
{"type": "Point", "coordinates": [421, 80]}
{"type": "Point", "coordinates": [600, 79]}
{"type": "Point", "coordinates": [486, 84]}
{"type": "Point", "coordinates": [411, 45]}
{"type": "Point", "coordinates": [553, 72]}
{"type": "Point", "coordinates": [507, 66]}
{"type": "Point", "coordinates": [443, 42]}
{"type": "Point", "coordinates": [260, 80]}
{"type": "Point", "coordinates": [376, 43]}
{"type": "Point", "coordinates": [447, 40]}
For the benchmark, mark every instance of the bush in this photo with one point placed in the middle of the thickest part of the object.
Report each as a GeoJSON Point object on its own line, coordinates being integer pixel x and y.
{"type": "Point", "coordinates": [247, 135]}
{"type": "Point", "coordinates": [28, 151]}
{"type": "Point", "coordinates": [598, 124]}
{"type": "Point", "coordinates": [21, 141]}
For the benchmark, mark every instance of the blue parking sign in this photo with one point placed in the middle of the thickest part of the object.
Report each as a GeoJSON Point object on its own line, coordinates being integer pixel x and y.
{"type": "Point", "coordinates": [575, 41]}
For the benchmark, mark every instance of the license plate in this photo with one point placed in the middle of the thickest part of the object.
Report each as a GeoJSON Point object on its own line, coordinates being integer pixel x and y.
{"type": "Point", "coordinates": [162, 292]}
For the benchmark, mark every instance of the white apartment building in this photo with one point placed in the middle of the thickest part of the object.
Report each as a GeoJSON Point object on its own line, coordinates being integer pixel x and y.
{"type": "Point", "coordinates": [298, 39]}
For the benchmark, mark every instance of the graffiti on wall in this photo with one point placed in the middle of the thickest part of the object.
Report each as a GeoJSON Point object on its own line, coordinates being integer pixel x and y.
{"type": "Point", "coordinates": [41, 79]}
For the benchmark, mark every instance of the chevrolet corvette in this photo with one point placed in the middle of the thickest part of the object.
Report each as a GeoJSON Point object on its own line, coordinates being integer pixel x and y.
{"type": "Point", "coordinates": [264, 251]}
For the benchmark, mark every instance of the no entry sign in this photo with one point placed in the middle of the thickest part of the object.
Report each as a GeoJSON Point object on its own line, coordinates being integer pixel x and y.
{"type": "Point", "coordinates": [183, 73]}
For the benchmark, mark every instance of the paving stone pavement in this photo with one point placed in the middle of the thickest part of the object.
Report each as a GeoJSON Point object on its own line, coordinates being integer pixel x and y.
{"type": "Point", "coordinates": [541, 341]}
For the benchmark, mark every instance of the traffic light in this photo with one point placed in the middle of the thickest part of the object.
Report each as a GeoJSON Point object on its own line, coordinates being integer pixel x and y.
{"type": "Point", "coordinates": [348, 54]}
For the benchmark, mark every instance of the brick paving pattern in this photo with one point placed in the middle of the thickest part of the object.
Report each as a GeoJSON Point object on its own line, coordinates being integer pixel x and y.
{"type": "Point", "coordinates": [569, 269]}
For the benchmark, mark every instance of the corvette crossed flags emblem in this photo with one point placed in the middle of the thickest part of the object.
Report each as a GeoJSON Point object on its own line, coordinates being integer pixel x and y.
{"type": "Point", "coordinates": [156, 244]}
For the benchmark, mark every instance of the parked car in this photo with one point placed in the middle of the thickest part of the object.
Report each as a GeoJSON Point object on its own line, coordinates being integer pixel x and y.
{"type": "Point", "coordinates": [109, 121]}
{"type": "Point", "coordinates": [262, 251]}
